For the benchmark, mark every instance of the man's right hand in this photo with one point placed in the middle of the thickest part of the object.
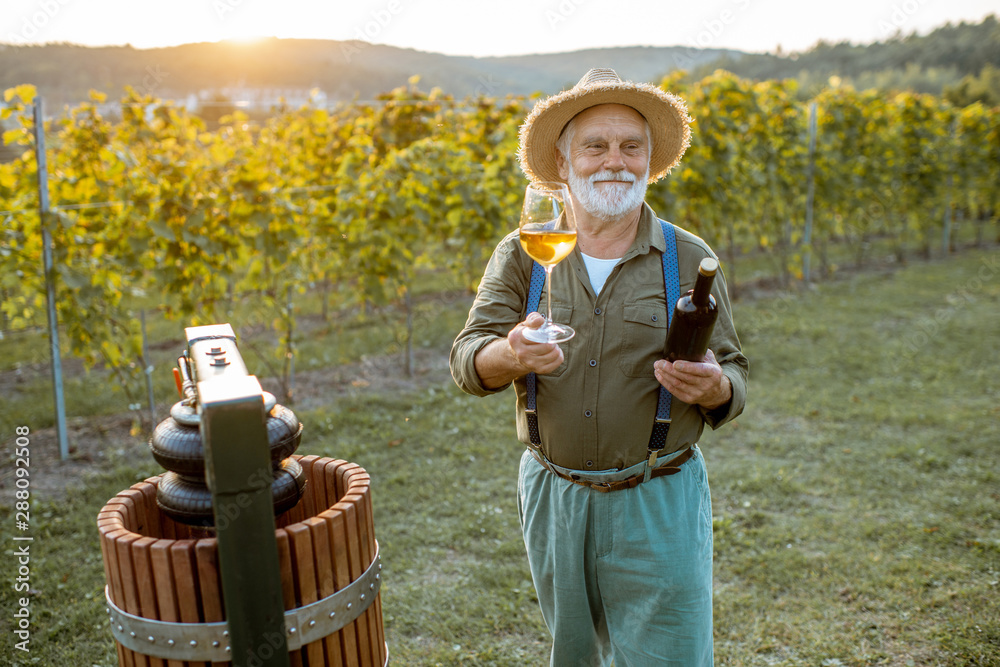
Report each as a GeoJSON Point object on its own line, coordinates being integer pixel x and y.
{"type": "Point", "coordinates": [506, 359]}
{"type": "Point", "coordinates": [538, 358]}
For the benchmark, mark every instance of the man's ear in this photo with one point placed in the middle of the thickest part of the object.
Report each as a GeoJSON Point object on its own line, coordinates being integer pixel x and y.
{"type": "Point", "coordinates": [563, 165]}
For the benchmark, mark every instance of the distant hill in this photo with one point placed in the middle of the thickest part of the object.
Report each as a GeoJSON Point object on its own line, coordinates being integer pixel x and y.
{"type": "Point", "coordinates": [342, 70]}
{"type": "Point", "coordinates": [951, 58]}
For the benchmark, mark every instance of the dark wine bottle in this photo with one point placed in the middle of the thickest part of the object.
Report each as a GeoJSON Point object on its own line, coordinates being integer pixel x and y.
{"type": "Point", "coordinates": [694, 317]}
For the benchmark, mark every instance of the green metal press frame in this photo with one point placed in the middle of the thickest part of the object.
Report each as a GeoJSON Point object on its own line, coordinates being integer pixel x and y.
{"type": "Point", "coordinates": [238, 474]}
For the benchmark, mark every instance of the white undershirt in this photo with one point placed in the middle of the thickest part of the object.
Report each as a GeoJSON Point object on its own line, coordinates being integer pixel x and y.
{"type": "Point", "coordinates": [599, 270]}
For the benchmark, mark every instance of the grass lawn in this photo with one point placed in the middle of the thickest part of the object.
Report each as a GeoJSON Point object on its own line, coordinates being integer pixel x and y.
{"type": "Point", "coordinates": [856, 501]}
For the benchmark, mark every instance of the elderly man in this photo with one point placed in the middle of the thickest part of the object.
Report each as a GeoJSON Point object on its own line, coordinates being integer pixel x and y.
{"type": "Point", "coordinates": [612, 491]}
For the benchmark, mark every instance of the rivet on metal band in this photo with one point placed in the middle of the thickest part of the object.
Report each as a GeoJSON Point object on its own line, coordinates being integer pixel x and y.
{"type": "Point", "coordinates": [209, 641]}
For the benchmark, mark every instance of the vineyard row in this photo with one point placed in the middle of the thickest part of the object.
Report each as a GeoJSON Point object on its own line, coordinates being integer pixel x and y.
{"type": "Point", "coordinates": [156, 205]}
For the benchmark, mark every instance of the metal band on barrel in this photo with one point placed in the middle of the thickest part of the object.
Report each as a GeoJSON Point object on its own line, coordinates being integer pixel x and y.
{"type": "Point", "coordinates": [210, 641]}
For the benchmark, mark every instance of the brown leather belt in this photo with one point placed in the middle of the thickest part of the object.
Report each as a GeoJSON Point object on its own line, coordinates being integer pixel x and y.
{"type": "Point", "coordinates": [671, 467]}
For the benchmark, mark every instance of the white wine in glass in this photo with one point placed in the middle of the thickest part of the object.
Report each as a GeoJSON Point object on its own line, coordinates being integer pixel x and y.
{"type": "Point", "coordinates": [548, 235]}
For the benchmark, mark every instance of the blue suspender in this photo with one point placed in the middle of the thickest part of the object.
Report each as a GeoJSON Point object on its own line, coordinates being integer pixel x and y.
{"type": "Point", "coordinates": [534, 296]}
{"type": "Point", "coordinates": [671, 280]}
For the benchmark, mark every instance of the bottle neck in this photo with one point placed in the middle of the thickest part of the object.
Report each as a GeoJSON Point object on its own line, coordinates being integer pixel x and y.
{"type": "Point", "coordinates": [702, 289]}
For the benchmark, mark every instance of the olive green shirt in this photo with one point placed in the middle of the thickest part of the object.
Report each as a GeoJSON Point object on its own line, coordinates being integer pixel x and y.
{"type": "Point", "coordinates": [596, 411]}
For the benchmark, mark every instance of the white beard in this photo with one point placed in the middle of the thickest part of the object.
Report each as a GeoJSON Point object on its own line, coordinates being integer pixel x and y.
{"type": "Point", "coordinates": [612, 201]}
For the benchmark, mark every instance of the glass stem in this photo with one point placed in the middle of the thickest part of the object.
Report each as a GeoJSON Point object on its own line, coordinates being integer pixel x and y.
{"type": "Point", "coordinates": [548, 294]}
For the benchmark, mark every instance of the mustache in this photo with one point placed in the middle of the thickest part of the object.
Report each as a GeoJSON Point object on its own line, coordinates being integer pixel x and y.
{"type": "Point", "coordinates": [607, 175]}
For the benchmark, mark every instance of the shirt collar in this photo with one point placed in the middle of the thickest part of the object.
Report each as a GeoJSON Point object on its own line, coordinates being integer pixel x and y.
{"type": "Point", "coordinates": [648, 234]}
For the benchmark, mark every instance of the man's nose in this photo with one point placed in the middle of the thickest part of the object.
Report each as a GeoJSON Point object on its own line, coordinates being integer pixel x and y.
{"type": "Point", "coordinates": [613, 161]}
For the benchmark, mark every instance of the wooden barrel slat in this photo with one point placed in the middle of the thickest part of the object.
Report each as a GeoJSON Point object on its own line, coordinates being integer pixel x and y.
{"type": "Point", "coordinates": [307, 586]}
{"type": "Point", "coordinates": [318, 476]}
{"type": "Point", "coordinates": [344, 473]}
{"type": "Point", "coordinates": [144, 584]}
{"type": "Point", "coordinates": [110, 551]}
{"type": "Point", "coordinates": [286, 561]}
{"type": "Point", "coordinates": [159, 569]}
{"type": "Point", "coordinates": [324, 581]}
{"type": "Point", "coordinates": [341, 574]}
{"type": "Point", "coordinates": [207, 559]}
{"type": "Point", "coordinates": [357, 568]}
{"type": "Point", "coordinates": [149, 512]}
{"type": "Point", "coordinates": [308, 500]}
{"type": "Point", "coordinates": [124, 507]}
{"type": "Point", "coordinates": [154, 516]}
{"type": "Point", "coordinates": [139, 503]}
{"type": "Point", "coordinates": [369, 548]}
{"type": "Point", "coordinates": [163, 581]}
{"type": "Point", "coordinates": [185, 566]}
{"type": "Point", "coordinates": [130, 597]}
{"type": "Point", "coordinates": [358, 499]}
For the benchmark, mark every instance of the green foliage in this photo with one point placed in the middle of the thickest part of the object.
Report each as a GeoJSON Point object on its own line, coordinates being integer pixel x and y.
{"type": "Point", "coordinates": [160, 209]}
{"type": "Point", "coordinates": [984, 88]}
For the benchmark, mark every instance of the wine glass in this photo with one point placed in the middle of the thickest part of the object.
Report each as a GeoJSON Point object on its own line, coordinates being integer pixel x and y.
{"type": "Point", "coordinates": [548, 235]}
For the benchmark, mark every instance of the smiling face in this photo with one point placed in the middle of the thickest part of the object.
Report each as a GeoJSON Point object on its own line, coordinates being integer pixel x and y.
{"type": "Point", "coordinates": [604, 156]}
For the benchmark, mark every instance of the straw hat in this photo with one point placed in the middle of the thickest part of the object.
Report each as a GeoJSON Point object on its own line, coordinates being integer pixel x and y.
{"type": "Point", "coordinates": [666, 114]}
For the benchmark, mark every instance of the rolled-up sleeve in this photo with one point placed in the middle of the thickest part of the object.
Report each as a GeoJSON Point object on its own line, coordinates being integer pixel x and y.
{"type": "Point", "coordinates": [498, 308]}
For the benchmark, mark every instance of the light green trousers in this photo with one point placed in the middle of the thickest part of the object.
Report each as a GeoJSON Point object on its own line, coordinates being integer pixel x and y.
{"type": "Point", "coordinates": [623, 576]}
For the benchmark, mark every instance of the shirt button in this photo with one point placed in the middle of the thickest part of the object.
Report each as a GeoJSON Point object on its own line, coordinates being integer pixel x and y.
{"type": "Point", "coordinates": [590, 464]}
{"type": "Point", "coordinates": [593, 362]}
{"type": "Point", "coordinates": [654, 318]}
{"type": "Point", "coordinates": [587, 413]}
{"type": "Point", "coordinates": [597, 311]}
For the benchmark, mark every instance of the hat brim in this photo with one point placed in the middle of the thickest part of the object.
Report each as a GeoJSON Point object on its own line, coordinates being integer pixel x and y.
{"type": "Point", "coordinates": [665, 113]}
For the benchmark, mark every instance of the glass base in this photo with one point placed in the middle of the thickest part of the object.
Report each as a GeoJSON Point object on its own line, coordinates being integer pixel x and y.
{"type": "Point", "coordinates": [550, 332]}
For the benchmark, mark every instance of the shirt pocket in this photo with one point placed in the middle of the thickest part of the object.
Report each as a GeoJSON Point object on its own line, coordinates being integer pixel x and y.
{"type": "Point", "coordinates": [644, 335]}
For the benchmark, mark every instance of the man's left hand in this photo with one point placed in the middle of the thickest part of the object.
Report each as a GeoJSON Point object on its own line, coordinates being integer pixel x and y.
{"type": "Point", "coordinates": [696, 383]}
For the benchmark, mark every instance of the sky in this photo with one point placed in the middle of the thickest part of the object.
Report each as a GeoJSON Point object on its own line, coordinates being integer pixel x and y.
{"type": "Point", "coordinates": [484, 27]}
